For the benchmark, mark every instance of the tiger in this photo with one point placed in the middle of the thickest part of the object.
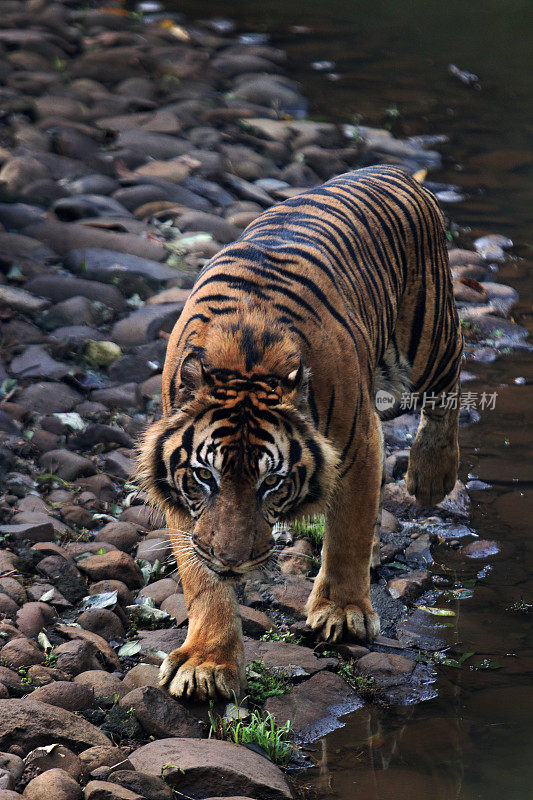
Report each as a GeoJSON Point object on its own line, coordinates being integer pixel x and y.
{"type": "Point", "coordinates": [324, 302]}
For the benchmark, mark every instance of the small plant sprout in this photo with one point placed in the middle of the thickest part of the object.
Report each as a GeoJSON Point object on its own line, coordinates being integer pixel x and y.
{"type": "Point", "coordinates": [260, 729]}
{"type": "Point", "coordinates": [274, 635]}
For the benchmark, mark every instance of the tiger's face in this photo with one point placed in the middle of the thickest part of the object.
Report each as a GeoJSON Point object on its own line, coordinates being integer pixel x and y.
{"type": "Point", "coordinates": [240, 455]}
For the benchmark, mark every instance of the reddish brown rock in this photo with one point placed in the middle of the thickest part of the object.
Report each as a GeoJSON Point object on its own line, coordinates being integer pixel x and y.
{"type": "Point", "coordinates": [33, 617]}
{"type": "Point", "coordinates": [104, 756]}
{"type": "Point", "coordinates": [29, 724]}
{"type": "Point", "coordinates": [176, 606]}
{"type": "Point", "coordinates": [115, 565]}
{"type": "Point", "coordinates": [106, 687]}
{"type": "Point", "coordinates": [205, 767]}
{"type": "Point", "coordinates": [124, 535]}
{"type": "Point", "coordinates": [54, 783]}
{"type": "Point", "coordinates": [21, 653]}
{"type": "Point", "coordinates": [161, 715]}
{"type": "Point", "coordinates": [103, 622]}
{"type": "Point", "coordinates": [65, 694]}
{"type": "Point", "coordinates": [57, 757]}
{"type": "Point", "coordinates": [313, 707]}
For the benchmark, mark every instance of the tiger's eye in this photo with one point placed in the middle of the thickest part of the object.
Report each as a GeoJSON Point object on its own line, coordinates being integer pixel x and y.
{"type": "Point", "coordinates": [271, 480]}
{"type": "Point", "coordinates": [204, 474]}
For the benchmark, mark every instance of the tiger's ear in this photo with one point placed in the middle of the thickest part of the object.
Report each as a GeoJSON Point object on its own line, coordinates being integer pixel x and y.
{"type": "Point", "coordinates": [192, 376]}
{"type": "Point", "coordinates": [296, 387]}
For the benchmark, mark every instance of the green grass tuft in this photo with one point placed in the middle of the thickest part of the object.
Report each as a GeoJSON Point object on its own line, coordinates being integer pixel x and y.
{"type": "Point", "coordinates": [264, 682]}
{"type": "Point", "coordinates": [312, 529]}
{"type": "Point", "coordinates": [260, 729]}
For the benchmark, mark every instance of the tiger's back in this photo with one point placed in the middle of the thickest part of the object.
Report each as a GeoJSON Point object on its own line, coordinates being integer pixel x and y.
{"type": "Point", "coordinates": [357, 271]}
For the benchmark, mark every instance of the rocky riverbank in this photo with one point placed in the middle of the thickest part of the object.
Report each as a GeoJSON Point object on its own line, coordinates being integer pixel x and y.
{"type": "Point", "coordinates": [130, 153]}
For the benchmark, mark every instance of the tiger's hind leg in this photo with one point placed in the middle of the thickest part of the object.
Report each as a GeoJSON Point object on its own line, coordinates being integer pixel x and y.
{"type": "Point", "coordinates": [434, 456]}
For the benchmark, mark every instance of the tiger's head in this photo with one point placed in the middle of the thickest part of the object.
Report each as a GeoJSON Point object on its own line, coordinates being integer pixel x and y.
{"type": "Point", "coordinates": [239, 452]}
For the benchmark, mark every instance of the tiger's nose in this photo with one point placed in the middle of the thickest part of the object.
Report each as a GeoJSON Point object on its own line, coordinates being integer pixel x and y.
{"type": "Point", "coordinates": [230, 562]}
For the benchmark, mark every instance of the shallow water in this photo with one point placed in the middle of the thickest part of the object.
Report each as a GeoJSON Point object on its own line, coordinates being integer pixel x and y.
{"type": "Point", "coordinates": [475, 740]}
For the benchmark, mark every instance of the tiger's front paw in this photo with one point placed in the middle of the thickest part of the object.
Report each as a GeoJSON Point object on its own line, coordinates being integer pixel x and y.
{"type": "Point", "coordinates": [429, 480]}
{"type": "Point", "coordinates": [331, 621]}
{"type": "Point", "coordinates": [199, 676]}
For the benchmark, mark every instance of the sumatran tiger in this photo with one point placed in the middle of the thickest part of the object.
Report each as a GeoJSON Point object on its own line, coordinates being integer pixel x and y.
{"type": "Point", "coordinates": [269, 410]}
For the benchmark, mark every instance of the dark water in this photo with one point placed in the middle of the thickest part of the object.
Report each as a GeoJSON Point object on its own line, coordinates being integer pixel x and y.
{"type": "Point", "coordinates": [474, 741]}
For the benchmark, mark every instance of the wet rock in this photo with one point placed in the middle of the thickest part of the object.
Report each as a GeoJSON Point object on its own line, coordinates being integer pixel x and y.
{"type": "Point", "coordinates": [54, 783]}
{"type": "Point", "coordinates": [385, 668]}
{"type": "Point", "coordinates": [272, 92]}
{"type": "Point", "coordinates": [47, 397]}
{"type": "Point", "coordinates": [28, 724]}
{"type": "Point", "coordinates": [105, 686]}
{"type": "Point", "coordinates": [67, 465]}
{"type": "Point", "coordinates": [408, 587]}
{"type": "Point", "coordinates": [418, 553]}
{"type": "Point", "coordinates": [103, 622]}
{"type": "Point", "coordinates": [115, 565]}
{"type": "Point", "coordinates": [142, 784]}
{"type": "Point", "coordinates": [161, 715]}
{"type": "Point", "coordinates": [314, 707]}
{"type": "Point", "coordinates": [64, 694]}
{"type": "Point", "coordinates": [481, 548]}
{"type": "Point", "coordinates": [389, 523]}
{"type": "Point", "coordinates": [208, 767]}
